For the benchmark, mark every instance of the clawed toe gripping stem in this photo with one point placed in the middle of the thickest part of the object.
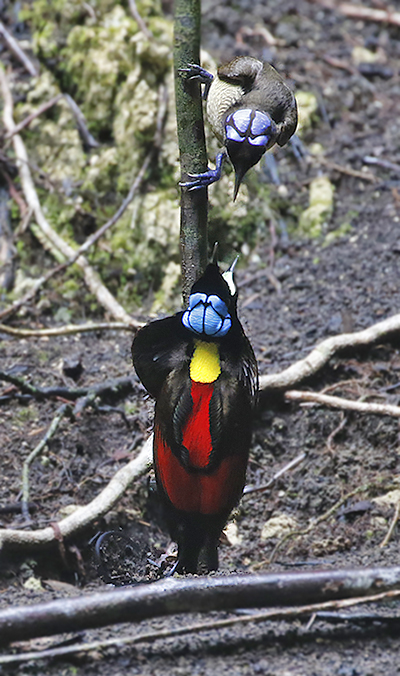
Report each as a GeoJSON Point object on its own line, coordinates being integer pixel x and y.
{"type": "Point", "coordinates": [206, 178]}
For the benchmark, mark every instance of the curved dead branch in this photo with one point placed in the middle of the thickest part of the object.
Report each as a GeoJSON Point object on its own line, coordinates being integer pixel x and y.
{"type": "Point", "coordinates": [83, 516]}
{"type": "Point", "coordinates": [92, 279]}
{"type": "Point", "coordinates": [323, 352]}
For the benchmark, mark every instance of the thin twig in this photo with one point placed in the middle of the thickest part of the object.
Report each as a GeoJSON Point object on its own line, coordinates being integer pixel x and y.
{"type": "Point", "coordinates": [343, 404]}
{"type": "Point", "coordinates": [69, 329]}
{"type": "Point", "coordinates": [254, 618]}
{"type": "Point", "coordinates": [142, 26]}
{"type": "Point", "coordinates": [104, 297]}
{"type": "Point", "coordinates": [322, 353]}
{"type": "Point", "coordinates": [348, 171]}
{"type": "Point", "coordinates": [323, 517]}
{"type": "Point", "coordinates": [369, 14]}
{"type": "Point", "coordinates": [27, 120]}
{"type": "Point", "coordinates": [90, 241]}
{"type": "Point", "coordinates": [61, 412]}
{"type": "Point", "coordinates": [86, 514]}
{"type": "Point", "coordinates": [392, 526]}
{"type": "Point", "coordinates": [248, 490]}
{"type": "Point", "coordinates": [13, 45]}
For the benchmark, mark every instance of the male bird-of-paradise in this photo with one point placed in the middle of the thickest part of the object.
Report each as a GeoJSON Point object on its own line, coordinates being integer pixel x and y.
{"type": "Point", "coordinates": [200, 368]}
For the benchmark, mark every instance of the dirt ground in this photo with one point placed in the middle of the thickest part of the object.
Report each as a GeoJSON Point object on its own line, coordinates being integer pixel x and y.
{"type": "Point", "coordinates": [318, 288]}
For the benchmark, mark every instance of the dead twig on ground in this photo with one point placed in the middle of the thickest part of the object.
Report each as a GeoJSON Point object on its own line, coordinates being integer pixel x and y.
{"type": "Point", "coordinates": [90, 241]}
{"type": "Point", "coordinates": [369, 14]}
{"type": "Point", "coordinates": [69, 329]}
{"type": "Point", "coordinates": [248, 490]}
{"type": "Point", "coordinates": [85, 515]}
{"type": "Point", "coordinates": [61, 412]}
{"type": "Point", "coordinates": [27, 120]}
{"type": "Point", "coordinates": [348, 171]}
{"type": "Point", "coordinates": [316, 610]}
{"type": "Point", "coordinates": [109, 389]}
{"type": "Point", "coordinates": [323, 517]}
{"type": "Point", "coordinates": [93, 281]}
{"type": "Point", "coordinates": [343, 404]}
{"type": "Point", "coordinates": [392, 526]}
{"type": "Point", "coordinates": [322, 353]}
{"type": "Point", "coordinates": [14, 47]}
{"type": "Point", "coordinates": [198, 594]}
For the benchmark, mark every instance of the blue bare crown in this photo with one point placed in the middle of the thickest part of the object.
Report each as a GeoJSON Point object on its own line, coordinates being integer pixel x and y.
{"type": "Point", "coordinates": [253, 125]}
{"type": "Point", "coordinates": [207, 315]}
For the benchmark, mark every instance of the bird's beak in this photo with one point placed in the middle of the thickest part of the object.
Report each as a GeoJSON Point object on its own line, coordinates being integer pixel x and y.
{"type": "Point", "coordinates": [239, 174]}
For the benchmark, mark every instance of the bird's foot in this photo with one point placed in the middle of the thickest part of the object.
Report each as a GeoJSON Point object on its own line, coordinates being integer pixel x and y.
{"type": "Point", "coordinates": [206, 178]}
{"type": "Point", "coordinates": [196, 72]}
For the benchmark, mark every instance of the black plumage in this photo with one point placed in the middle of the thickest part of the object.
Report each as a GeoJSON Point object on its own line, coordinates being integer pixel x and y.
{"type": "Point", "coordinates": [205, 387]}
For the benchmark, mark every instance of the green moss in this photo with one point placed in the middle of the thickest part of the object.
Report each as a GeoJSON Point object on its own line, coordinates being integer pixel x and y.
{"type": "Point", "coordinates": [316, 217]}
{"type": "Point", "coordinates": [96, 53]}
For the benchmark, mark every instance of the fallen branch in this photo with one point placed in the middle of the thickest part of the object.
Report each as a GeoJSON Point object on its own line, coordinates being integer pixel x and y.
{"type": "Point", "coordinates": [14, 47]}
{"type": "Point", "coordinates": [323, 352]}
{"type": "Point", "coordinates": [90, 241]}
{"type": "Point", "coordinates": [108, 389]}
{"type": "Point", "coordinates": [316, 610]}
{"type": "Point", "coordinates": [84, 516]}
{"type": "Point", "coordinates": [369, 14]}
{"type": "Point", "coordinates": [197, 594]}
{"type": "Point", "coordinates": [343, 404]}
{"type": "Point", "coordinates": [93, 281]}
{"type": "Point", "coordinates": [69, 329]}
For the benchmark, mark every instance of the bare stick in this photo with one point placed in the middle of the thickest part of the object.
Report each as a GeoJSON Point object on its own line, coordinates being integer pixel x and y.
{"type": "Point", "coordinates": [348, 171]}
{"type": "Point", "coordinates": [269, 615]}
{"type": "Point", "coordinates": [323, 517]}
{"type": "Point", "coordinates": [27, 121]}
{"type": "Point", "coordinates": [392, 526]}
{"type": "Point", "coordinates": [85, 515]}
{"type": "Point", "coordinates": [343, 404]}
{"type": "Point", "coordinates": [142, 26]}
{"type": "Point", "coordinates": [323, 352]}
{"type": "Point", "coordinates": [369, 14]}
{"type": "Point", "coordinates": [90, 241]}
{"type": "Point", "coordinates": [197, 594]}
{"type": "Point", "coordinates": [13, 45]}
{"type": "Point", "coordinates": [69, 329]}
{"type": "Point", "coordinates": [248, 490]}
{"type": "Point", "coordinates": [104, 297]}
{"type": "Point", "coordinates": [61, 412]}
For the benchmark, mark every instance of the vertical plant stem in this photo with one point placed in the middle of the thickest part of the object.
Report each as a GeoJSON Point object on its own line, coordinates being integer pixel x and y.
{"type": "Point", "coordinates": [192, 146]}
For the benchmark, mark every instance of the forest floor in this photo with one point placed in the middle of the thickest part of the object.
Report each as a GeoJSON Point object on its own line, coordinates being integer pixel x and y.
{"type": "Point", "coordinates": [325, 287]}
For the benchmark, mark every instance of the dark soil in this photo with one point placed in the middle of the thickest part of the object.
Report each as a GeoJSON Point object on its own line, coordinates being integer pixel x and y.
{"type": "Point", "coordinates": [325, 289]}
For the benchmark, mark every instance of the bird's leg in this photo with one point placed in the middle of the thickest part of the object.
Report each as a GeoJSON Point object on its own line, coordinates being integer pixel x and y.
{"type": "Point", "coordinates": [195, 72]}
{"type": "Point", "coordinates": [197, 181]}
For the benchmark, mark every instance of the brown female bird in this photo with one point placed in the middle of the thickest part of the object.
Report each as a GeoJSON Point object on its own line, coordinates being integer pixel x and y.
{"type": "Point", "coordinates": [250, 108]}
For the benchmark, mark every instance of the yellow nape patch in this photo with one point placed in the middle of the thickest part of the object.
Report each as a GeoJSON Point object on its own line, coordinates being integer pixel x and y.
{"type": "Point", "coordinates": [205, 366]}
